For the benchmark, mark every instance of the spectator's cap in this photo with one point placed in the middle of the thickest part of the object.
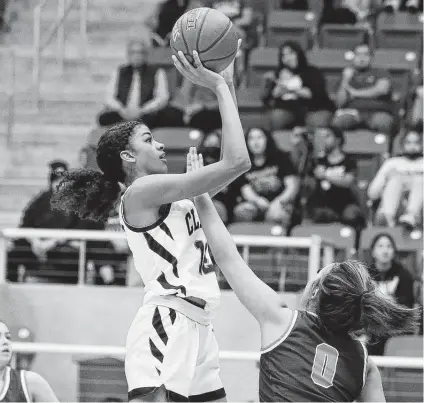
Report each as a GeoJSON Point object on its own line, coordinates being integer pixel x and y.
{"type": "Point", "coordinates": [57, 169]}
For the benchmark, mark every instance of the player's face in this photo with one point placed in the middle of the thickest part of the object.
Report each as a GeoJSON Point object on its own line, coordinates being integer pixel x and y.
{"type": "Point", "coordinates": [149, 154]}
{"type": "Point", "coordinates": [5, 345]}
{"type": "Point", "coordinates": [412, 144]}
{"type": "Point", "coordinates": [136, 53]}
{"type": "Point", "coordinates": [256, 142]}
{"type": "Point", "coordinates": [383, 251]}
{"type": "Point", "coordinates": [289, 57]}
{"type": "Point", "coordinates": [362, 57]}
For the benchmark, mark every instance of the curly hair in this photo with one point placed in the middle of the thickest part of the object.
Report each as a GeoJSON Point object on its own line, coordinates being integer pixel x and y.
{"type": "Point", "coordinates": [92, 194]}
{"type": "Point", "coordinates": [348, 302]}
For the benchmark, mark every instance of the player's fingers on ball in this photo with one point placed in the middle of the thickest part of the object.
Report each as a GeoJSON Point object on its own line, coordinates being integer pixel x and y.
{"type": "Point", "coordinates": [239, 43]}
{"type": "Point", "coordinates": [197, 61]}
{"type": "Point", "coordinates": [185, 62]}
{"type": "Point", "coordinates": [201, 160]}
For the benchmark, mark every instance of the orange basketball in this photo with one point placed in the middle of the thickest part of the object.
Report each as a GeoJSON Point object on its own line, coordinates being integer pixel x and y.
{"type": "Point", "coordinates": [208, 31]}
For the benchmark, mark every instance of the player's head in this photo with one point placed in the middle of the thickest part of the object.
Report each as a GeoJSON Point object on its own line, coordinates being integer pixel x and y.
{"type": "Point", "coordinates": [346, 300]}
{"type": "Point", "coordinates": [363, 56]}
{"type": "Point", "coordinates": [137, 52]}
{"type": "Point", "coordinates": [383, 250]}
{"type": "Point", "coordinates": [259, 142]}
{"type": "Point", "coordinates": [291, 56]}
{"type": "Point", "coordinates": [125, 152]}
{"type": "Point", "coordinates": [5, 345]}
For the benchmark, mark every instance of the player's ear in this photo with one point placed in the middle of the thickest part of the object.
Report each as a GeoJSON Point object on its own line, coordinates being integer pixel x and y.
{"type": "Point", "coordinates": [127, 156]}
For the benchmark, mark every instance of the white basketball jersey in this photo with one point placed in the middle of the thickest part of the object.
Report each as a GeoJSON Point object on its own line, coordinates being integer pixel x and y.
{"type": "Point", "coordinates": [172, 255]}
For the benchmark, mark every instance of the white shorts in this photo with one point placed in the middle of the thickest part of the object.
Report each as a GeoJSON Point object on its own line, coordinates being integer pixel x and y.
{"type": "Point", "coordinates": [164, 347]}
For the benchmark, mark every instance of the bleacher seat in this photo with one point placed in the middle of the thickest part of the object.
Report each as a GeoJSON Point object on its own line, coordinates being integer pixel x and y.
{"type": "Point", "coordinates": [399, 31]}
{"type": "Point", "coordinates": [404, 384]}
{"type": "Point", "coordinates": [342, 236]}
{"type": "Point", "coordinates": [341, 36]}
{"type": "Point", "coordinates": [290, 25]}
{"type": "Point", "coordinates": [161, 57]}
{"type": "Point", "coordinates": [251, 109]}
{"type": "Point", "coordinates": [409, 250]}
{"type": "Point", "coordinates": [177, 141]}
{"type": "Point", "coordinates": [261, 60]}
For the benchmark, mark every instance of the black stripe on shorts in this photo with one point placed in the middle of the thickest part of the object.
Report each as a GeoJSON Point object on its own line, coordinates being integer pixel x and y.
{"type": "Point", "coordinates": [208, 396]}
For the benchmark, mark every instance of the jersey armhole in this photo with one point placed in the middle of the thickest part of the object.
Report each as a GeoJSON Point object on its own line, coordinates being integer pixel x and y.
{"type": "Point", "coordinates": [364, 374]}
{"type": "Point", "coordinates": [284, 336]}
{"type": "Point", "coordinates": [25, 386]}
{"type": "Point", "coordinates": [6, 385]}
{"type": "Point", "coordinates": [163, 214]}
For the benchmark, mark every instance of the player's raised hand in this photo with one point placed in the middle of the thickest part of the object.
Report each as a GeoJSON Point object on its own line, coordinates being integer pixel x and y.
{"type": "Point", "coordinates": [194, 160]}
{"type": "Point", "coordinates": [228, 73]}
{"type": "Point", "coordinates": [197, 74]}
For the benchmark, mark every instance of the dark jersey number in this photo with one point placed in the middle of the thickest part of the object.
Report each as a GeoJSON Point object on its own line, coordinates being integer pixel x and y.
{"type": "Point", "coordinates": [206, 265]}
{"type": "Point", "coordinates": [325, 365]}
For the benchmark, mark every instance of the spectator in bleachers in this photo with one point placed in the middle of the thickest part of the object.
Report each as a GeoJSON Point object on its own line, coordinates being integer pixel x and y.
{"type": "Point", "coordinates": [210, 148]}
{"type": "Point", "coordinates": [296, 91]}
{"type": "Point", "coordinates": [164, 18]}
{"type": "Point", "coordinates": [334, 198]}
{"type": "Point", "coordinates": [392, 279]}
{"type": "Point", "coordinates": [136, 90]}
{"type": "Point", "coordinates": [294, 5]}
{"type": "Point", "coordinates": [194, 106]}
{"type": "Point", "coordinates": [347, 11]}
{"type": "Point", "coordinates": [400, 178]}
{"type": "Point", "coordinates": [364, 96]}
{"type": "Point", "coordinates": [270, 187]}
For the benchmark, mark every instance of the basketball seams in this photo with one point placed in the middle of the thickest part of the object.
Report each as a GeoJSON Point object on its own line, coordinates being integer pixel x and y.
{"type": "Point", "coordinates": [182, 36]}
{"type": "Point", "coordinates": [224, 32]}
{"type": "Point", "coordinates": [220, 58]}
{"type": "Point", "coordinates": [200, 30]}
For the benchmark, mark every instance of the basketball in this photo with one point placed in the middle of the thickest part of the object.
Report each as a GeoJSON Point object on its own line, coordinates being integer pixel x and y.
{"type": "Point", "coordinates": [210, 33]}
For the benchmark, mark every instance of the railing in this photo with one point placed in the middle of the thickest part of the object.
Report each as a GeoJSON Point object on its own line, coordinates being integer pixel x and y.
{"type": "Point", "coordinates": [58, 28]}
{"type": "Point", "coordinates": [315, 245]}
{"type": "Point", "coordinates": [10, 92]}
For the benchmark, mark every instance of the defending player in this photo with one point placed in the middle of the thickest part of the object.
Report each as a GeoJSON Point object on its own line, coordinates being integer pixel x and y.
{"type": "Point", "coordinates": [310, 355]}
{"type": "Point", "coordinates": [172, 353]}
{"type": "Point", "coordinates": [19, 386]}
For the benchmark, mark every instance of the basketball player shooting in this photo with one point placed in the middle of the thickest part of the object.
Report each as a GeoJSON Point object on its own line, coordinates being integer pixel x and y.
{"type": "Point", "coordinates": [171, 350]}
{"type": "Point", "coordinates": [313, 354]}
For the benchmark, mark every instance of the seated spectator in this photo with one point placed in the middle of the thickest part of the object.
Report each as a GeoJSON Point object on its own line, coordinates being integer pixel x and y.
{"type": "Point", "coordinates": [294, 5]}
{"type": "Point", "coordinates": [392, 279]}
{"type": "Point", "coordinates": [333, 199]}
{"type": "Point", "coordinates": [54, 260]}
{"type": "Point", "coordinates": [412, 6]}
{"type": "Point", "coordinates": [270, 187]}
{"type": "Point", "coordinates": [210, 148]}
{"type": "Point", "coordinates": [399, 178]}
{"type": "Point", "coordinates": [296, 91]}
{"type": "Point", "coordinates": [364, 96]}
{"type": "Point", "coordinates": [137, 90]}
{"type": "Point", "coordinates": [348, 11]}
{"type": "Point", "coordinates": [193, 106]}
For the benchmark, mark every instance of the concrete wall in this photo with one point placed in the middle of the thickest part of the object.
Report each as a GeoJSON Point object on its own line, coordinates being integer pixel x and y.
{"type": "Point", "coordinates": [102, 316]}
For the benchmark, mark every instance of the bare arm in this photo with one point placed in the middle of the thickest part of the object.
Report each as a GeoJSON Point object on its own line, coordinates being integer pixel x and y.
{"type": "Point", "coordinates": [259, 299]}
{"type": "Point", "coordinates": [156, 190]}
{"type": "Point", "coordinates": [111, 100]}
{"type": "Point", "coordinates": [229, 80]}
{"type": "Point", "coordinates": [376, 186]}
{"type": "Point", "coordinates": [373, 388]}
{"type": "Point", "coordinates": [344, 181]}
{"type": "Point", "coordinates": [160, 96]}
{"type": "Point", "coordinates": [39, 388]}
{"type": "Point", "coordinates": [291, 189]}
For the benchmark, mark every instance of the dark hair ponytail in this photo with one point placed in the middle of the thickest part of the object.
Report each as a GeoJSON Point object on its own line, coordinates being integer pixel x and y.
{"type": "Point", "coordinates": [87, 193]}
{"type": "Point", "coordinates": [349, 303]}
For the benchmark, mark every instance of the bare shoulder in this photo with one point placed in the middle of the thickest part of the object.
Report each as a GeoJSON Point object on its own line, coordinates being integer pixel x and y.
{"type": "Point", "coordinates": [33, 378]}
{"type": "Point", "coordinates": [275, 330]}
{"type": "Point", "coordinates": [39, 388]}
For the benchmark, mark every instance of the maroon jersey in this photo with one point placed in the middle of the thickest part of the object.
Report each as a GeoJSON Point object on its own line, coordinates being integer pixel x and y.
{"type": "Point", "coordinates": [15, 387]}
{"type": "Point", "coordinates": [310, 364]}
